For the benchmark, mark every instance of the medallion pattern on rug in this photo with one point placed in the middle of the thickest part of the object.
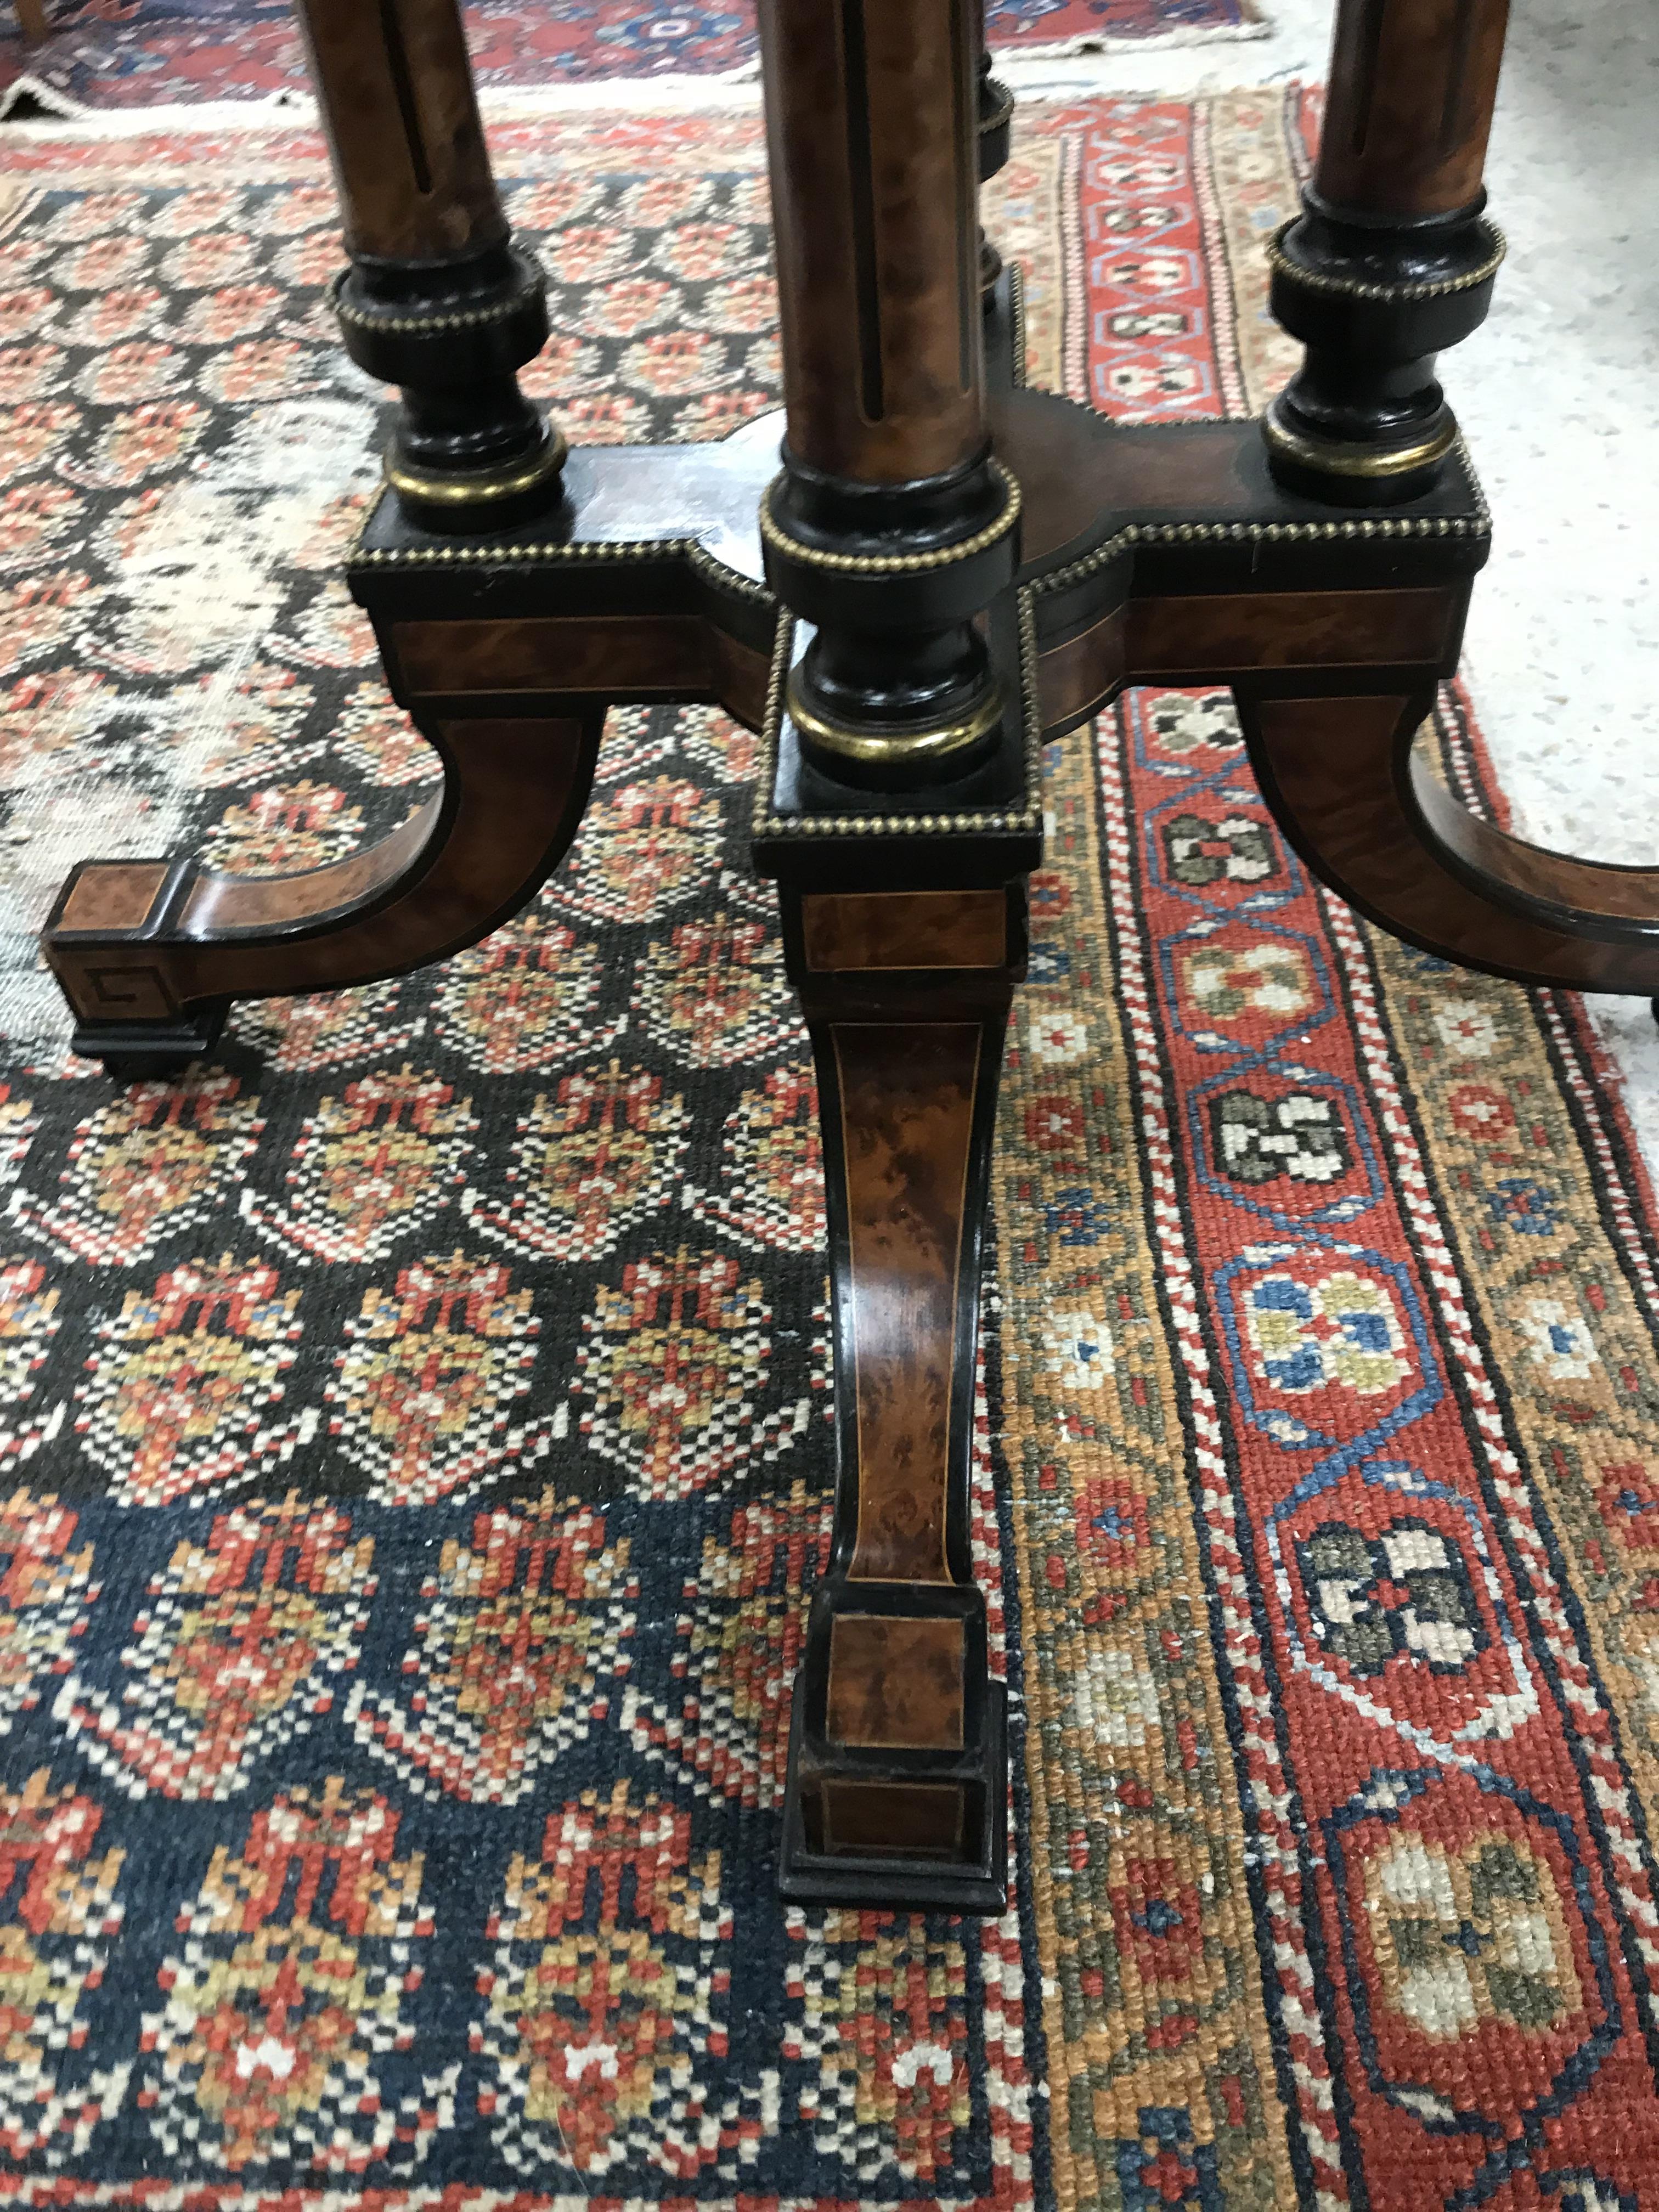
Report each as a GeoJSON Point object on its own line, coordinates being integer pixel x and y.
{"type": "Point", "coordinates": [415, 1423]}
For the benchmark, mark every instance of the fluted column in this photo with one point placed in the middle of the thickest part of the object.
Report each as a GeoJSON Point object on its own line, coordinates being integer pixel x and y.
{"type": "Point", "coordinates": [437, 300]}
{"type": "Point", "coordinates": [891, 527]}
{"type": "Point", "coordinates": [1392, 258]}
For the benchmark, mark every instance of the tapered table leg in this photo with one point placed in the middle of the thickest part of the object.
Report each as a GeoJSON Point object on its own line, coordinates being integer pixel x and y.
{"type": "Point", "coordinates": [898, 727]}
{"type": "Point", "coordinates": [897, 1778]}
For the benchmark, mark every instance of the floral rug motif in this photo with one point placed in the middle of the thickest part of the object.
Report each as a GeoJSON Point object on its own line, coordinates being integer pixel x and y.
{"type": "Point", "coordinates": [148, 53]}
{"type": "Point", "coordinates": [394, 1673]}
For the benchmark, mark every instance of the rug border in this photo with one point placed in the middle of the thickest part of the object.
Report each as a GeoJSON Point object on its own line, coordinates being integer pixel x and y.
{"type": "Point", "coordinates": [682, 87]}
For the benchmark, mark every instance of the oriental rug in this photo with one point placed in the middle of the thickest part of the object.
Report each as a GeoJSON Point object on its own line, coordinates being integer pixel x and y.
{"type": "Point", "coordinates": [112, 54]}
{"type": "Point", "coordinates": [415, 1422]}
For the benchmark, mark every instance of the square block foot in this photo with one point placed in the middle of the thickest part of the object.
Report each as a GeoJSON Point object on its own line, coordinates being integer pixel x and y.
{"type": "Point", "coordinates": [136, 1052]}
{"type": "Point", "coordinates": [967, 1869]}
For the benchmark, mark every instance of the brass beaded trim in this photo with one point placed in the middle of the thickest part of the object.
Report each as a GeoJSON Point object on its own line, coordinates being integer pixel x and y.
{"type": "Point", "coordinates": [1349, 288]}
{"type": "Point", "coordinates": [1017, 322]}
{"type": "Point", "coordinates": [598, 549]}
{"type": "Point", "coordinates": [1032, 708]}
{"type": "Point", "coordinates": [1001, 113]}
{"type": "Point", "coordinates": [732, 581]}
{"type": "Point", "coordinates": [595, 552]}
{"type": "Point", "coordinates": [1478, 525]}
{"type": "Point", "coordinates": [893, 564]}
{"type": "Point", "coordinates": [1028, 820]}
{"type": "Point", "coordinates": [463, 319]}
{"type": "Point", "coordinates": [783, 642]}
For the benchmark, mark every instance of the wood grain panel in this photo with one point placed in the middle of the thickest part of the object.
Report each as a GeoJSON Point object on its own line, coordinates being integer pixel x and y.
{"type": "Point", "coordinates": [113, 894]}
{"type": "Point", "coordinates": [223, 906]}
{"type": "Point", "coordinates": [904, 929]}
{"type": "Point", "coordinates": [741, 675]}
{"type": "Point", "coordinates": [551, 654]}
{"type": "Point", "coordinates": [1174, 637]}
{"type": "Point", "coordinates": [870, 107]}
{"type": "Point", "coordinates": [514, 792]}
{"type": "Point", "coordinates": [395, 86]}
{"type": "Point", "coordinates": [896, 1819]}
{"type": "Point", "coordinates": [1080, 674]}
{"type": "Point", "coordinates": [895, 1684]}
{"type": "Point", "coordinates": [907, 1111]}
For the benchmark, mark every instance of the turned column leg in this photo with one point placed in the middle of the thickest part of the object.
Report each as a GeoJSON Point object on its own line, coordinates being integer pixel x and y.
{"type": "Point", "coordinates": [891, 527]}
{"type": "Point", "coordinates": [892, 534]}
{"type": "Point", "coordinates": [897, 1783]}
{"type": "Point", "coordinates": [1392, 258]}
{"type": "Point", "coordinates": [438, 300]}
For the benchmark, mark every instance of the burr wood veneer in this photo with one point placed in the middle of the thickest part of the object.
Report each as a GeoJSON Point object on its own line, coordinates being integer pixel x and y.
{"type": "Point", "coordinates": [934, 572]}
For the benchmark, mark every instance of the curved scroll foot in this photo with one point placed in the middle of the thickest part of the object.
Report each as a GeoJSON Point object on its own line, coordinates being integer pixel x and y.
{"type": "Point", "coordinates": [150, 953]}
{"type": "Point", "coordinates": [1364, 812]}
